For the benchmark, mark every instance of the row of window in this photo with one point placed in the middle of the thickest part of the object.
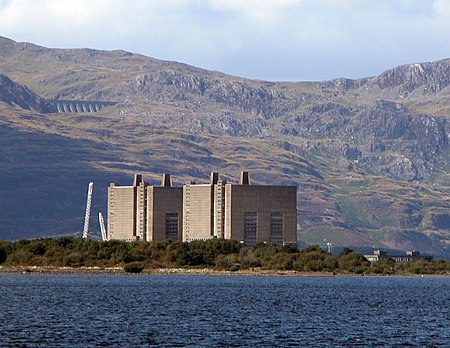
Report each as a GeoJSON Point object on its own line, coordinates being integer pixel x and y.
{"type": "Point", "coordinates": [250, 227]}
{"type": "Point", "coordinates": [172, 226]}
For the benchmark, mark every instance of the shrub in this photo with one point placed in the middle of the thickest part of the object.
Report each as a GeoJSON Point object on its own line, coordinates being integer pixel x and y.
{"type": "Point", "coordinates": [226, 261]}
{"type": "Point", "coordinates": [352, 261]}
{"type": "Point", "coordinates": [280, 260]}
{"type": "Point", "coordinates": [133, 256]}
{"type": "Point", "coordinates": [247, 259]}
{"type": "Point", "coordinates": [133, 267]}
{"type": "Point", "coordinates": [73, 260]}
{"type": "Point", "coordinates": [359, 270]}
{"type": "Point", "coordinates": [234, 268]}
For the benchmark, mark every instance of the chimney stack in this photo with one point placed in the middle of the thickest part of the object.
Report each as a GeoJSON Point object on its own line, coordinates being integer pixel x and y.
{"type": "Point", "coordinates": [166, 180]}
{"type": "Point", "coordinates": [137, 180]}
{"type": "Point", "coordinates": [214, 178]}
{"type": "Point", "coordinates": [245, 179]}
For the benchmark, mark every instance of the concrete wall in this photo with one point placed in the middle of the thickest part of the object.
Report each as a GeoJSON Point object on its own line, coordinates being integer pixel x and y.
{"type": "Point", "coordinates": [79, 106]}
{"type": "Point", "coordinates": [263, 200]}
{"type": "Point", "coordinates": [198, 209]}
{"type": "Point", "coordinates": [122, 213]}
{"type": "Point", "coordinates": [162, 200]}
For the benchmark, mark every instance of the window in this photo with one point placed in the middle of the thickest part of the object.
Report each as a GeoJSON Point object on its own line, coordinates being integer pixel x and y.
{"type": "Point", "coordinates": [276, 227]}
{"type": "Point", "coordinates": [172, 226]}
{"type": "Point", "coordinates": [250, 227]}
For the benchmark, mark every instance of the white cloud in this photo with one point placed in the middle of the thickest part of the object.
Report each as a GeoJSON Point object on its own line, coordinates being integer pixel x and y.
{"type": "Point", "coordinates": [267, 39]}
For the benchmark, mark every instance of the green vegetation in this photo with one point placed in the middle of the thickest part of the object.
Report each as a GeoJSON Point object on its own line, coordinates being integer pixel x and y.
{"type": "Point", "coordinates": [216, 254]}
{"type": "Point", "coordinates": [133, 267]}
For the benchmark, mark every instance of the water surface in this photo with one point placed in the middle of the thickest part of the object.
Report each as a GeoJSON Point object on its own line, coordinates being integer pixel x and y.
{"type": "Point", "coordinates": [169, 310]}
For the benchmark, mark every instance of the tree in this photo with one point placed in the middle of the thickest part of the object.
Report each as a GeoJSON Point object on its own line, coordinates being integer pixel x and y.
{"type": "Point", "coordinates": [314, 258]}
{"type": "Point", "coordinates": [352, 261]}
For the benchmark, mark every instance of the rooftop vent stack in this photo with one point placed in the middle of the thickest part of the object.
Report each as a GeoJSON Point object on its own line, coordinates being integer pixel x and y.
{"type": "Point", "coordinates": [245, 179]}
{"type": "Point", "coordinates": [214, 178]}
{"type": "Point", "coordinates": [166, 180]}
{"type": "Point", "coordinates": [138, 179]}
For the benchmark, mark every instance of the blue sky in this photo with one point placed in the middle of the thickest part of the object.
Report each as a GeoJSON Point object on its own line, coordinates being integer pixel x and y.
{"type": "Point", "coordinates": [277, 40]}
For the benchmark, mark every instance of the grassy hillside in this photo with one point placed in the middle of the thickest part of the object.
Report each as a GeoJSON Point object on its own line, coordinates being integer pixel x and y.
{"type": "Point", "coordinates": [370, 156]}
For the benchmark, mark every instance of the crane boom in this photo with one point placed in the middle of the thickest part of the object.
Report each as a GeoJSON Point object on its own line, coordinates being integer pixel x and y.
{"type": "Point", "coordinates": [88, 210]}
{"type": "Point", "coordinates": [102, 226]}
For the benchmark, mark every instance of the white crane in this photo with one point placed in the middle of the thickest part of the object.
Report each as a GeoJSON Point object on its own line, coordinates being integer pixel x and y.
{"type": "Point", "coordinates": [102, 226]}
{"type": "Point", "coordinates": [88, 210]}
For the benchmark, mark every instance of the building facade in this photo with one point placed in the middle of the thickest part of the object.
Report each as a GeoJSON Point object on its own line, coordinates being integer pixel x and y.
{"type": "Point", "coordinates": [126, 211]}
{"type": "Point", "coordinates": [143, 212]}
{"type": "Point", "coordinates": [243, 212]}
{"type": "Point", "coordinates": [164, 211]}
{"type": "Point", "coordinates": [257, 214]}
{"type": "Point", "coordinates": [203, 210]}
{"type": "Point", "coordinates": [410, 255]}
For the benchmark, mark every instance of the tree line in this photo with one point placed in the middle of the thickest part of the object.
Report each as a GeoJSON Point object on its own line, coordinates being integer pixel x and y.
{"type": "Point", "coordinates": [218, 254]}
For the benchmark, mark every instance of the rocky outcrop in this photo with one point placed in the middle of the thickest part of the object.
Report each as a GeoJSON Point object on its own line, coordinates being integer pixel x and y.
{"type": "Point", "coordinates": [428, 77]}
{"type": "Point", "coordinates": [385, 137]}
{"type": "Point", "coordinates": [14, 94]}
{"type": "Point", "coordinates": [343, 85]}
{"type": "Point", "coordinates": [410, 144]}
{"type": "Point", "coordinates": [248, 98]}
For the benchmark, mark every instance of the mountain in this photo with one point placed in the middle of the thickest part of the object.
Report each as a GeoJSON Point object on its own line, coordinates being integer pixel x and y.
{"type": "Point", "coordinates": [370, 156]}
{"type": "Point", "coordinates": [15, 95]}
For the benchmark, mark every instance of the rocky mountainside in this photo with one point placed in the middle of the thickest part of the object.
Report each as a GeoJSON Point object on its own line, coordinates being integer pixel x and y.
{"type": "Point", "coordinates": [370, 156]}
{"type": "Point", "coordinates": [15, 95]}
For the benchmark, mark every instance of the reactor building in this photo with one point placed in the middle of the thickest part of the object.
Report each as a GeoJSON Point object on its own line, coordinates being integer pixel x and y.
{"type": "Point", "coordinates": [243, 212]}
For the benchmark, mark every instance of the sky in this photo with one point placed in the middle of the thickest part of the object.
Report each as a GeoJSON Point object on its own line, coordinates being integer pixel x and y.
{"type": "Point", "coordinates": [275, 40]}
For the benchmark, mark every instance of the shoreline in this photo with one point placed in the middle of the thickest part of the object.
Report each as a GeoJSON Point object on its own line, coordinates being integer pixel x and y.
{"type": "Point", "coordinates": [29, 270]}
{"type": "Point", "coordinates": [154, 271]}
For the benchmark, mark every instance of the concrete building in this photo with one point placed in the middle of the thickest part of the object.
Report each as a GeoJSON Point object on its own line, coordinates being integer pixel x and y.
{"type": "Point", "coordinates": [410, 255]}
{"type": "Point", "coordinates": [126, 213]}
{"type": "Point", "coordinates": [243, 212]}
{"type": "Point", "coordinates": [261, 214]}
{"type": "Point", "coordinates": [164, 211]}
{"type": "Point", "coordinates": [143, 212]}
{"type": "Point", "coordinates": [203, 210]}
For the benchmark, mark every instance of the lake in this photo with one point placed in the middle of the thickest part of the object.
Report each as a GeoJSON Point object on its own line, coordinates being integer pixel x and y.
{"type": "Point", "coordinates": [223, 311]}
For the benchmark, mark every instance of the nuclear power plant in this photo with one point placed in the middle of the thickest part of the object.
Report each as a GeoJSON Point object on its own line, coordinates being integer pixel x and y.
{"type": "Point", "coordinates": [247, 213]}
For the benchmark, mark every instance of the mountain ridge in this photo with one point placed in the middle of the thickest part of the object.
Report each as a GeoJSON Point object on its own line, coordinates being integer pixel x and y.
{"type": "Point", "coordinates": [371, 163]}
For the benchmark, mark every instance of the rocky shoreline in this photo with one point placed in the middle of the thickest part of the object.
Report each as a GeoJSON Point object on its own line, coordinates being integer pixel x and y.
{"type": "Point", "coordinates": [181, 271]}
{"type": "Point", "coordinates": [152, 271]}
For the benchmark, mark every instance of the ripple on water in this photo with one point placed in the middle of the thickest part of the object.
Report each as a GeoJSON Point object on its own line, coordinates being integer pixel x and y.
{"type": "Point", "coordinates": [161, 310]}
